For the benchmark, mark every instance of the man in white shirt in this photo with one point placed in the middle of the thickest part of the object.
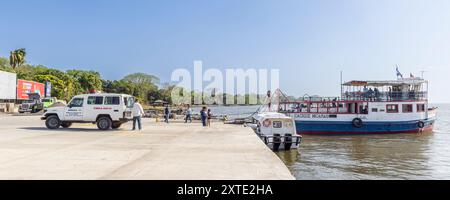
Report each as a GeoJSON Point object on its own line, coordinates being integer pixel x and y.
{"type": "Point", "coordinates": [188, 114]}
{"type": "Point", "coordinates": [138, 112]}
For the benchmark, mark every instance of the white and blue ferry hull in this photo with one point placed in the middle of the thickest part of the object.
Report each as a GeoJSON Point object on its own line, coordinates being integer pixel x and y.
{"type": "Point", "coordinates": [376, 127]}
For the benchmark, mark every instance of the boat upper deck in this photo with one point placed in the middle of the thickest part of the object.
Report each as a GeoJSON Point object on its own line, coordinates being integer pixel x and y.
{"type": "Point", "coordinates": [409, 89]}
{"type": "Point", "coordinates": [360, 97]}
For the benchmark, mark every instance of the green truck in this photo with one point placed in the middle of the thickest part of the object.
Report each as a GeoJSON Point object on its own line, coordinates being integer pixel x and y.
{"type": "Point", "coordinates": [48, 101]}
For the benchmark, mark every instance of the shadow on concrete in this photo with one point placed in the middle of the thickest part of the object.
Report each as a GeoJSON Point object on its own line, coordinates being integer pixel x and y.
{"type": "Point", "coordinates": [72, 129]}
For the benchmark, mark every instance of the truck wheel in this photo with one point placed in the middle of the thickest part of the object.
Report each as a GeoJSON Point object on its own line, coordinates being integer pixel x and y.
{"type": "Point", "coordinates": [66, 124]}
{"type": "Point", "coordinates": [52, 122]}
{"type": "Point", "coordinates": [104, 123]}
{"type": "Point", "coordinates": [116, 125]}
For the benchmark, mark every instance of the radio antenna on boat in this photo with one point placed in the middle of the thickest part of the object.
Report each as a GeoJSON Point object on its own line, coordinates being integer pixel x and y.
{"type": "Point", "coordinates": [342, 87]}
{"type": "Point", "coordinates": [422, 72]}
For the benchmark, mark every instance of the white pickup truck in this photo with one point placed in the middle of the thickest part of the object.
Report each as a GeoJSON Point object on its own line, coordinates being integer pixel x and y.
{"type": "Point", "coordinates": [106, 110]}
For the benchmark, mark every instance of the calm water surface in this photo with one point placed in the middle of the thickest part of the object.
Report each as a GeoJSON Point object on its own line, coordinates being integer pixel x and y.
{"type": "Point", "coordinates": [403, 156]}
{"type": "Point", "coordinates": [231, 111]}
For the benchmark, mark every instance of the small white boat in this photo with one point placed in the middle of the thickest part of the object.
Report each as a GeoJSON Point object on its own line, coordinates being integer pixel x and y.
{"type": "Point", "coordinates": [276, 130]}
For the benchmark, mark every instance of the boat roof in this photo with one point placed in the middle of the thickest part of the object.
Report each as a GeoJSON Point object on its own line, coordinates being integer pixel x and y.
{"type": "Point", "coordinates": [272, 115]}
{"type": "Point", "coordinates": [403, 81]}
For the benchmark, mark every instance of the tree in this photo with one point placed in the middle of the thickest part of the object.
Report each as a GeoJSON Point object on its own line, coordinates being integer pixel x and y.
{"type": "Point", "coordinates": [88, 80]}
{"type": "Point", "coordinates": [4, 65]}
{"type": "Point", "coordinates": [121, 86]}
{"type": "Point", "coordinates": [165, 93]}
{"type": "Point", "coordinates": [143, 85]}
{"type": "Point", "coordinates": [17, 58]}
{"type": "Point", "coordinates": [58, 85]}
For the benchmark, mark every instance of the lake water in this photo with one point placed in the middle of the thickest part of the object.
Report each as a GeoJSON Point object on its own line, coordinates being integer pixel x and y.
{"type": "Point", "coordinates": [402, 156]}
{"type": "Point", "coordinates": [397, 156]}
{"type": "Point", "coordinates": [231, 111]}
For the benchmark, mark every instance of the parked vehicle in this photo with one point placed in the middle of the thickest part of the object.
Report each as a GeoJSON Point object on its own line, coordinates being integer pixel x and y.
{"type": "Point", "coordinates": [105, 110]}
{"type": "Point", "coordinates": [32, 105]}
{"type": "Point", "coordinates": [48, 101]}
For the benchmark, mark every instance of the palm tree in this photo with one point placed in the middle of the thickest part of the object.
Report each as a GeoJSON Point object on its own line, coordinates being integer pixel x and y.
{"type": "Point", "coordinates": [17, 57]}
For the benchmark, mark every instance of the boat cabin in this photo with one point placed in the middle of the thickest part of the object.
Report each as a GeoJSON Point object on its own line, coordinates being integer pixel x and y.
{"type": "Point", "coordinates": [277, 130]}
{"type": "Point", "coordinates": [364, 97]}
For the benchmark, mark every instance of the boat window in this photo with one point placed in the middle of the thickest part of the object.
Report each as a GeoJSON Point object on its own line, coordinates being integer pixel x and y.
{"type": "Point", "coordinates": [351, 108]}
{"type": "Point", "coordinates": [363, 109]}
{"type": "Point", "coordinates": [392, 108]}
{"type": "Point", "coordinates": [277, 124]}
{"type": "Point", "coordinates": [374, 109]}
{"type": "Point", "coordinates": [314, 107]}
{"type": "Point", "coordinates": [420, 107]}
{"type": "Point", "coordinates": [407, 108]}
{"type": "Point", "coordinates": [303, 108]}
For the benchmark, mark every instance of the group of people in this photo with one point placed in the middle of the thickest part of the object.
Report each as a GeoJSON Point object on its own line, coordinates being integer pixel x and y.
{"type": "Point", "coordinates": [138, 112]}
{"type": "Point", "coordinates": [371, 94]}
{"type": "Point", "coordinates": [392, 94]}
{"type": "Point", "coordinates": [205, 116]}
{"type": "Point", "coordinates": [367, 94]}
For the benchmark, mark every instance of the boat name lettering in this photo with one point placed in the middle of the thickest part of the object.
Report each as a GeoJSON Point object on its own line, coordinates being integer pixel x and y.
{"type": "Point", "coordinates": [320, 116]}
{"type": "Point", "coordinates": [315, 116]}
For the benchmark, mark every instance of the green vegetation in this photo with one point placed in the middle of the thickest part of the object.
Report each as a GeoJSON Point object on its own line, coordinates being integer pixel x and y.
{"type": "Point", "coordinates": [66, 84]}
{"type": "Point", "coordinates": [17, 58]}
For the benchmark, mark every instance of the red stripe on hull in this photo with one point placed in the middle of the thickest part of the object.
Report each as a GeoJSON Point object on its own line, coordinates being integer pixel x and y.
{"type": "Point", "coordinates": [428, 129]}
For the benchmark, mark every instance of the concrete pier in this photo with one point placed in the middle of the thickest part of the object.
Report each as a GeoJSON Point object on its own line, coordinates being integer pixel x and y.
{"type": "Point", "coordinates": [161, 151]}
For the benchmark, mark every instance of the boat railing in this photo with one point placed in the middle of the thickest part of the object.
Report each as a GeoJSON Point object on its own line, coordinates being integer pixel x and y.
{"type": "Point", "coordinates": [385, 96]}
{"type": "Point", "coordinates": [367, 96]}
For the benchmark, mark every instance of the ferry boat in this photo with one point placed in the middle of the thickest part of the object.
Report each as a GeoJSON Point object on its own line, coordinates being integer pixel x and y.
{"type": "Point", "coordinates": [366, 107]}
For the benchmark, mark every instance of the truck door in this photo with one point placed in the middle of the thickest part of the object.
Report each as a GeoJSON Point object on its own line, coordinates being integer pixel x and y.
{"type": "Point", "coordinates": [93, 108]}
{"type": "Point", "coordinates": [74, 111]}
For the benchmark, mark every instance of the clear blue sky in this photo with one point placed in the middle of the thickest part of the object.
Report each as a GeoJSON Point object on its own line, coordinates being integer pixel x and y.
{"type": "Point", "coordinates": [309, 41]}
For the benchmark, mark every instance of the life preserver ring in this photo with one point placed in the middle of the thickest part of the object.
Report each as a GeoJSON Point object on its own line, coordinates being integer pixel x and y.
{"type": "Point", "coordinates": [266, 123]}
{"type": "Point", "coordinates": [357, 123]}
{"type": "Point", "coordinates": [421, 124]}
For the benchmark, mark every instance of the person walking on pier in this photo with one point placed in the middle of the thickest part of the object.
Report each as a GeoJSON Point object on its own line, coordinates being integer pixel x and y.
{"type": "Point", "coordinates": [137, 112]}
{"type": "Point", "coordinates": [209, 116]}
{"type": "Point", "coordinates": [166, 114]}
{"type": "Point", "coordinates": [203, 115]}
{"type": "Point", "coordinates": [188, 114]}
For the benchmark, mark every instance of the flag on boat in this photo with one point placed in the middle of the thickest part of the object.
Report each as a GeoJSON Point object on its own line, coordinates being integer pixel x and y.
{"type": "Point", "coordinates": [399, 74]}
